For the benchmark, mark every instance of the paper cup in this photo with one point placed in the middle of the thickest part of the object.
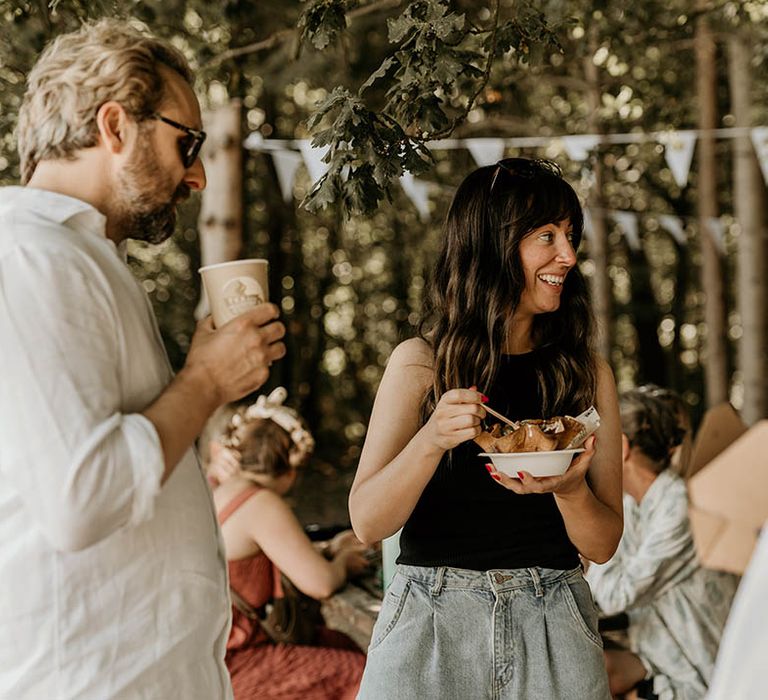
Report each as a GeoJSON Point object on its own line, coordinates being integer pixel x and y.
{"type": "Point", "coordinates": [235, 287]}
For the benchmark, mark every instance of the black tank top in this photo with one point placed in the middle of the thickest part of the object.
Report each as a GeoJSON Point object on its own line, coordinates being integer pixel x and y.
{"type": "Point", "coordinates": [466, 520]}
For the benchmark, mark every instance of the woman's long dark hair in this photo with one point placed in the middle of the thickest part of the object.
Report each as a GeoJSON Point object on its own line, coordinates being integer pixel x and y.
{"type": "Point", "coordinates": [478, 280]}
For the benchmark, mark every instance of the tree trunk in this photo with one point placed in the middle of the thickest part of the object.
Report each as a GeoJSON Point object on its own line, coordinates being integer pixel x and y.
{"type": "Point", "coordinates": [221, 210]}
{"type": "Point", "coordinates": [646, 317]}
{"type": "Point", "coordinates": [715, 363]}
{"type": "Point", "coordinates": [749, 194]}
{"type": "Point", "coordinates": [602, 286]}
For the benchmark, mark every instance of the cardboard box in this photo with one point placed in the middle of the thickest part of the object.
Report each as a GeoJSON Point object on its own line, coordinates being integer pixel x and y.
{"type": "Point", "coordinates": [729, 502]}
{"type": "Point", "coordinates": [720, 427]}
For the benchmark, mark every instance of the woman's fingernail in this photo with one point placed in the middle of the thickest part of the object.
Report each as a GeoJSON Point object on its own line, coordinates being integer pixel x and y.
{"type": "Point", "coordinates": [489, 467]}
{"type": "Point", "coordinates": [473, 387]}
{"type": "Point", "coordinates": [520, 475]}
{"type": "Point", "coordinates": [496, 477]}
{"type": "Point", "coordinates": [484, 398]}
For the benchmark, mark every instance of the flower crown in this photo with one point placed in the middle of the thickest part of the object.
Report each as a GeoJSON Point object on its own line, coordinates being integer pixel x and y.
{"type": "Point", "coordinates": [271, 408]}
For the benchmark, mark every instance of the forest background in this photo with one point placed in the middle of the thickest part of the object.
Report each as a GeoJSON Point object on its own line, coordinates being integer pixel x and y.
{"type": "Point", "coordinates": [378, 81]}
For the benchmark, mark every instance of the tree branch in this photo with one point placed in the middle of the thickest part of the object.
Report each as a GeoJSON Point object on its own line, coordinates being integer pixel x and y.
{"type": "Point", "coordinates": [481, 86]}
{"type": "Point", "coordinates": [286, 34]}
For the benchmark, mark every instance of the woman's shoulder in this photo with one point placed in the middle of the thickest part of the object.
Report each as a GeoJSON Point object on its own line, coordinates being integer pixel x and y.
{"type": "Point", "coordinates": [252, 498]}
{"type": "Point", "coordinates": [414, 351]}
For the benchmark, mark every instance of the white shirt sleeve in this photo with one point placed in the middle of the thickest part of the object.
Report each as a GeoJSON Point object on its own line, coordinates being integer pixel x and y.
{"type": "Point", "coordinates": [82, 467]}
{"type": "Point", "coordinates": [635, 577]}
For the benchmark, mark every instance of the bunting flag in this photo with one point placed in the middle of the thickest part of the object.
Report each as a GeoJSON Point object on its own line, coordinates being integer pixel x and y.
{"type": "Point", "coordinates": [254, 141]}
{"type": "Point", "coordinates": [627, 222]}
{"type": "Point", "coordinates": [578, 147]}
{"type": "Point", "coordinates": [716, 228]}
{"type": "Point", "coordinates": [674, 227]}
{"type": "Point", "coordinates": [678, 152]}
{"type": "Point", "coordinates": [313, 159]}
{"type": "Point", "coordinates": [286, 165]}
{"type": "Point", "coordinates": [759, 137]}
{"type": "Point", "coordinates": [418, 193]}
{"type": "Point", "coordinates": [485, 151]}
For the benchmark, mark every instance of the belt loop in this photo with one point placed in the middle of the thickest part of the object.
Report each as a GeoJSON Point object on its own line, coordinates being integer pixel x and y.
{"type": "Point", "coordinates": [438, 585]}
{"type": "Point", "coordinates": [536, 582]}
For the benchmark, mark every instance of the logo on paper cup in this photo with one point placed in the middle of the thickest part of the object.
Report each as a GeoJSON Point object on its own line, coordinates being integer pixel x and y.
{"type": "Point", "coordinates": [241, 294]}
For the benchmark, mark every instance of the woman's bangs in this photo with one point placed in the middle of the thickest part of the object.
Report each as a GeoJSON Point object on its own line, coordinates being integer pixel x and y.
{"type": "Point", "coordinates": [552, 200]}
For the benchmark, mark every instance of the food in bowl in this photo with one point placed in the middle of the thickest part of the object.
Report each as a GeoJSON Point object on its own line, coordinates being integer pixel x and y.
{"type": "Point", "coordinates": [541, 447]}
{"type": "Point", "coordinates": [531, 435]}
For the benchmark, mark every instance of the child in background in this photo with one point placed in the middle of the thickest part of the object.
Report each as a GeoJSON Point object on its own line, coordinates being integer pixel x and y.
{"type": "Point", "coordinates": [253, 465]}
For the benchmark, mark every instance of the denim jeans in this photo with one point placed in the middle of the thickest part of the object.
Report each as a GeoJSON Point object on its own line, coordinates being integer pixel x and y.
{"type": "Point", "coordinates": [505, 634]}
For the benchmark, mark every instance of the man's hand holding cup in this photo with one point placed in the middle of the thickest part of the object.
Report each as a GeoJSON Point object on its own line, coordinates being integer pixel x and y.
{"type": "Point", "coordinates": [242, 338]}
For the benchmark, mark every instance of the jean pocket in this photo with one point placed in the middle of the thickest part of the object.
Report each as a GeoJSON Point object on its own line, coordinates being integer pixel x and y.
{"type": "Point", "coordinates": [578, 597]}
{"type": "Point", "coordinates": [391, 609]}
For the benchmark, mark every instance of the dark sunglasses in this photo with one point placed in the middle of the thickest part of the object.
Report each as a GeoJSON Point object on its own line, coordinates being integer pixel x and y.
{"type": "Point", "coordinates": [190, 145]}
{"type": "Point", "coordinates": [526, 168]}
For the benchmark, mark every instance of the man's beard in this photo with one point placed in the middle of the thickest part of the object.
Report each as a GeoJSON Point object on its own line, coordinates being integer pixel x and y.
{"type": "Point", "coordinates": [144, 211]}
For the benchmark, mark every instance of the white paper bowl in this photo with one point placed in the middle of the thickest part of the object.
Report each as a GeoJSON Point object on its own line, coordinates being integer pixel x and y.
{"type": "Point", "coordinates": [552, 463]}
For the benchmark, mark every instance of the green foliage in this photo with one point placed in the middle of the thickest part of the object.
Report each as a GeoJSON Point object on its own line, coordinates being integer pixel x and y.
{"type": "Point", "coordinates": [440, 65]}
{"type": "Point", "coordinates": [530, 34]}
{"type": "Point", "coordinates": [322, 22]}
{"type": "Point", "coordinates": [375, 150]}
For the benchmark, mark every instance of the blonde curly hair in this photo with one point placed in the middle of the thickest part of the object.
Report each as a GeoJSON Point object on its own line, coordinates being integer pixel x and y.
{"type": "Point", "coordinates": [77, 73]}
{"type": "Point", "coordinates": [270, 437]}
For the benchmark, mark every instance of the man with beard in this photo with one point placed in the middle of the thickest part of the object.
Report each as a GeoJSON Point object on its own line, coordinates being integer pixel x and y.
{"type": "Point", "coordinates": [112, 575]}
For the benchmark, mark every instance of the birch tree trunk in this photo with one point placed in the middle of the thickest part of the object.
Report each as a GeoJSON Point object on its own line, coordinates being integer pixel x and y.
{"type": "Point", "coordinates": [749, 204]}
{"type": "Point", "coordinates": [715, 364]}
{"type": "Point", "coordinates": [602, 285]}
{"type": "Point", "coordinates": [221, 212]}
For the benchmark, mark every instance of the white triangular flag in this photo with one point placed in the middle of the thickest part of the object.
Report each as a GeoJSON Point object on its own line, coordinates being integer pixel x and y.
{"type": "Point", "coordinates": [418, 193]}
{"type": "Point", "coordinates": [674, 227]}
{"type": "Point", "coordinates": [578, 147]}
{"type": "Point", "coordinates": [678, 152]}
{"type": "Point", "coordinates": [254, 141]}
{"type": "Point", "coordinates": [627, 222]}
{"type": "Point", "coordinates": [760, 142]}
{"type": "Point", "coordinates": [485, 151]}
{"type": "Point", "coordinates": [313, 159]}
{"type": "Point", "coordinates": [286, 165]}
{"type": "Point", "coordinates": [716, 229]}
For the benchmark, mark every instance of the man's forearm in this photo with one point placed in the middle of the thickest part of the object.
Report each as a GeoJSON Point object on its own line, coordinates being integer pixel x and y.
{"type": "Point", "coordinates": [180, 413]}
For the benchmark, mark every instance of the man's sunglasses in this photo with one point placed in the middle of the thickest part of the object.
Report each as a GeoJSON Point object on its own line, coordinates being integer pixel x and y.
{"type": "Point", "coordinates": [526, 168]}
{"type": "Point", "coordinates": [190, 145]}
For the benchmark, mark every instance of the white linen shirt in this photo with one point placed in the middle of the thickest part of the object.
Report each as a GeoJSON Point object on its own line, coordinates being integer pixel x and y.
{"type": "Point", "coordinates": [677, 609]}
{"type": "Point", "coordinates": [111, 586]}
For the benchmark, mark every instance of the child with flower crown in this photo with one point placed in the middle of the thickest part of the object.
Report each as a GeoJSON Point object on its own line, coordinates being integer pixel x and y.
{"type": "Point", "coordinates": [253, 465]}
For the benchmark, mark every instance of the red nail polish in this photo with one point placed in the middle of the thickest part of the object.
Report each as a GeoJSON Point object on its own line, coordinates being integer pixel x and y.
{"type": "Point", "coordinates": [489, 467]}
{"type": "Point", "coordinates": [484, 398]}
{"type": "Point", "coordinates": [520, 475]}
{"type": "Point", "coordinates": [495, 477]}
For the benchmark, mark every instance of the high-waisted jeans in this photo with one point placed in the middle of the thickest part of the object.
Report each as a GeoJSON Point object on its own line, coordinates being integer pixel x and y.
{"type": "Point", "coordinates": [505, 634]}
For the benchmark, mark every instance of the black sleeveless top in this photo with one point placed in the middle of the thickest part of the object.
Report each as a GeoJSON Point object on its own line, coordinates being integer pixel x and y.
{"type": "Point", "coordinates": [466, 520]}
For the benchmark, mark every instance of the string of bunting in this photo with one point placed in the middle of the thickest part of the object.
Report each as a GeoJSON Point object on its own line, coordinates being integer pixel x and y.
{"type": "Point", "coordinates": [288, 156]}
